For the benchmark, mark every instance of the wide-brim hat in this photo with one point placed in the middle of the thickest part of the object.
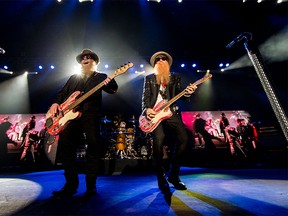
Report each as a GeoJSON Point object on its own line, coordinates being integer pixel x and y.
{"type": "Point", "coordinates": [87, 52]}
{"type": "Point", "coordinates": [160, 53]}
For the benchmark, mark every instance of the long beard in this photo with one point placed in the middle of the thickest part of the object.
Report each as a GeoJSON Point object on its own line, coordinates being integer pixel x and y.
{"type": "Point", "coordinates": [88, 68]}
{"type": "Point", "coordinates": [162, 74]}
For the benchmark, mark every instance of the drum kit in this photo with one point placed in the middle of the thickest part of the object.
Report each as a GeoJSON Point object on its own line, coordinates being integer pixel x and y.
{"type": "Point", "coordinates": [124, 140]}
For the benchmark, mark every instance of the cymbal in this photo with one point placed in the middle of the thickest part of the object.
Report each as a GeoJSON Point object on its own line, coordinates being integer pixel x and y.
{"type": "Point", "coordinates": [120, 132]}
{"type": "Point", "coordinates": [132, 120]}
{"type": "Point", "coordinates": [105, 120]}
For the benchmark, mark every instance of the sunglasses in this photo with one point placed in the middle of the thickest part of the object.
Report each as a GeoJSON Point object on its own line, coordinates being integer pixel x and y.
{"type": "Point", "coordinates": [86, 56]}
{"type": "Point", "coordinates": [163, 58]}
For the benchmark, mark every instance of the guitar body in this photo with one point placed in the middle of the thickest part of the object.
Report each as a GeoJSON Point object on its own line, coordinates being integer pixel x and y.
{"type": "Point", "coordinates": [147, 125]}
{"type": "Point", "coordinates": [163, 111]}
{"type": "Point", "coordinates": [55, 124]}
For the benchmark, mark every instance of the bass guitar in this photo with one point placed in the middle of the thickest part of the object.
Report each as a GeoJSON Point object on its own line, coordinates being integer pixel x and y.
{"type": "Point", "coordinates": [56, 124]}
{"type": "Point", "coordinates": [163, 110]}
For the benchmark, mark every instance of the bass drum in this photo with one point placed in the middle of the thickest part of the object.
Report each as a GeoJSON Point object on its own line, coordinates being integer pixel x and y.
{"type": "Point", "coordinates": [143, 146]}
{"type": "Point", "coordinates": [120, 141]}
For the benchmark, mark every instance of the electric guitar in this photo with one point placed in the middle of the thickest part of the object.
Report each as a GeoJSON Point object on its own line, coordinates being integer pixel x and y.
{"type": "Point", "coordinates": [163, 110]}
{"type": "Point", "coordinates": [56, 124]}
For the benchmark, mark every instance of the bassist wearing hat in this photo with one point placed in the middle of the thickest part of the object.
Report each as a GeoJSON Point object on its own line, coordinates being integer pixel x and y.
{"type": "Point", "coordinates": [162, 86]}
{"type": "Point", "coordinates": [84, 128]}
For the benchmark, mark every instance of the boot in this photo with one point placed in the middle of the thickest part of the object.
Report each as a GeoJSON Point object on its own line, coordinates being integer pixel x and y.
{"type": "Point", "coordinates": [66, 191]}
{"type": "Point", "coordinates": [162, 183]}
{"type": "Point", "coordinates": [90, 185]}
{"type": "Point", "coordinates": [178, 184]}
{"type": "Point", "coordinates": [161, 179]}
{"type": "Point", "coordinates": [70, 187]}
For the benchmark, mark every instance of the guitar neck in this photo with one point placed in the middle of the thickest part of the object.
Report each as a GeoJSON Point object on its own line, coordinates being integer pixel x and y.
{"type": "Point", "coordinates": [89, 93]}
{"type": "Point", "coordinates": [182, 93]}
{"type": "Point", "coordinates": [164, 106]}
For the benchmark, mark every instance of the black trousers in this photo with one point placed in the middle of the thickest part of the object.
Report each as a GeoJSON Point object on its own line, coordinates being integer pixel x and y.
{"type": "Point", "coordinates": [174, 124]}
{"type": "Point", "coordinates": [82, 131]}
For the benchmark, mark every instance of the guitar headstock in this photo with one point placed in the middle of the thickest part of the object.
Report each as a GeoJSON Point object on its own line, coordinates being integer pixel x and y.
{"type": "Point", "coordinates": [207, 76]}
{"type": "Point", "coordinates": [203, 79]}
{"type": "Point", "coordinates": [123, 69]}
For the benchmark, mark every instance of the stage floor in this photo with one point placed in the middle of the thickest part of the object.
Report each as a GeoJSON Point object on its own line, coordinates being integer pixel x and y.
{"type": "Point", "coordinates": [254, 191]}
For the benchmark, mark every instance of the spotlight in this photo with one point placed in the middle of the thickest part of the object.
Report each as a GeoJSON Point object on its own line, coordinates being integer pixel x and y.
{"type": "Point", "coordinates": [85, 1]}
{"type": "Point", "coordinates": [139, 72]}
{"type": "Point", "coordinates": [2, 51]}
{"type": "Point", "coordinates": [52, 67]}
{"type": "Point", "coordinates": [155, 0]}
{"type": "Point", "coordinates": [31, 73]}
{"type": "Point", "coordinates": [5, 71]}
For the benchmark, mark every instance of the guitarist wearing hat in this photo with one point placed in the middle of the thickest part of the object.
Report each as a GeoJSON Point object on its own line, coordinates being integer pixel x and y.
{"type": "Point", "coordinates": [85, 123]}
{"type": "Point", "coordinates": [158, 87]}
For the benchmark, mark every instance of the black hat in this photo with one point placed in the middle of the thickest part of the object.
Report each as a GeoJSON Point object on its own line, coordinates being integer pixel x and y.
{"type": "Point", "coordinates": [158, 54]}
{"type": "Point", "coordinates": [87, 52]}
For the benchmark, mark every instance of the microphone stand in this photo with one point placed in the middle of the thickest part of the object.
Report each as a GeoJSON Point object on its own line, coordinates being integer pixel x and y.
{"type": "Point", "coordinates": [261, 70]}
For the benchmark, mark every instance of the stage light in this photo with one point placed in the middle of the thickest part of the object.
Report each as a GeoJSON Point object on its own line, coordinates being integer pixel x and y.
{"type": "Point", "coordinates": [139, 72]}
{"type": "Point", "coordinates": [194, 65]}
{"type": "Point", "coordinates": [106, 66]}
{"type": "Point", "coordinates": [5, 67]}
{"type": "Point", "coordinates": [76, 69]}
{"type": "Point", "coordinates": [141, 66]}
{"type": "Point", "coordinates": [5, 71]}
{"type": "Point", "coordinates": [40, 67]}
{"type": "Point", "coordinates": [227, 65]}
{"type": "Point", "coordinates": [52, 67]}
{"type": "Point", "coordinates": [30, 73]}
{"type": "Point", "coordinates": [85, 1]}
{"type": "Point", "coordinates": [221, 65]}
{"type": "Point", "coordinates": [155, 0]}
{"type": "Point", "coordinates": [182, 65]}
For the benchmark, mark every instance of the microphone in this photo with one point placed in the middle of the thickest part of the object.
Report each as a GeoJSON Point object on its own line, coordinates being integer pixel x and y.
{"type": "Point", "coordinates": [239, 38]}
{"type": "Point", "coordinates": [2, 51]}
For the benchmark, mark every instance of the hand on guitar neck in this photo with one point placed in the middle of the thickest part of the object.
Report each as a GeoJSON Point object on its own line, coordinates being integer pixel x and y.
{"type": "Point", "coordinates": [190, 89]}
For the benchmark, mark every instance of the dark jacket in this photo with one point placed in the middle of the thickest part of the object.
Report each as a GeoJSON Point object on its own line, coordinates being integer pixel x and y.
{"type": "Point", "coordinates": [93, 103]}
{"type": "Point", "coordinates": [151, 90]}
